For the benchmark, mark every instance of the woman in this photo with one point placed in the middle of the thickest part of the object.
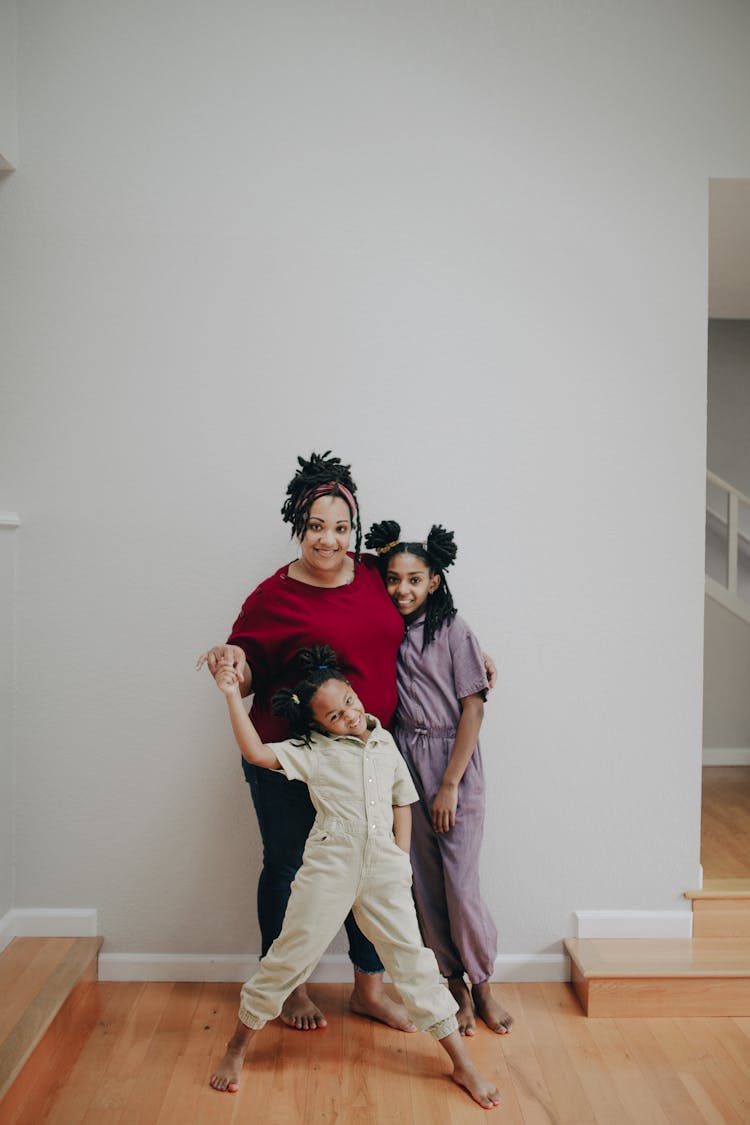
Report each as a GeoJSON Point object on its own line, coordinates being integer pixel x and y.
{"type": "Point", "coordinates": [331, 596]}
{"type": "Point", "coordinates": [326, 596]}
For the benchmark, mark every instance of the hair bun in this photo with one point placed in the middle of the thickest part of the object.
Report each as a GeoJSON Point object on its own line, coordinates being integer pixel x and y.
{"type": "Point", "coordinates": [382, 536]}
{"type": "Point", "coordinates": [285, 704]}
{"type": "Point", "coordinates": [317, 656]}
{"type": "Point", "coordinates": [441, 546]}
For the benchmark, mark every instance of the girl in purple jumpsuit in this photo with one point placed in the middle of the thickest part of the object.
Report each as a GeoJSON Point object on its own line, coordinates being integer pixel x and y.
{"type": "Point", "coordinates": [442, 686]}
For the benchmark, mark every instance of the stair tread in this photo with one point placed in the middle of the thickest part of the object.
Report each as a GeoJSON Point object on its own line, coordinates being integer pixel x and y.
{"type": "Point", "coordinates": [37, 975]}
{"type": "Point", "coordinates": [659, 958]}
{"type": "Point", "coordinates": [722, 888]}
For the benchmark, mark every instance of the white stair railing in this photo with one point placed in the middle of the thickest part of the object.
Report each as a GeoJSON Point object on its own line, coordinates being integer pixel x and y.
{"type": "Point", "coordinates": [728, 513]}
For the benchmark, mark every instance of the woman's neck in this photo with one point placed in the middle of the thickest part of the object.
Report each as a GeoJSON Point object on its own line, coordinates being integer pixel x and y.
{"type": "Point", "coordinates": [341, 576]}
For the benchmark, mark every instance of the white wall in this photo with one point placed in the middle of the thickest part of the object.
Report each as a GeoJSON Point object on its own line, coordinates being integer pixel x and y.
{"type": "Point", "coordinates": [8, 115]}
{"type": "Point", "coordinates": [7, 638]}
{"type": "Point", "coordinates": [462, 245]}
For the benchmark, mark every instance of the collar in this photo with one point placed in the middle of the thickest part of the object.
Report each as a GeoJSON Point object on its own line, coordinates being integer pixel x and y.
{"type": "Point", "coordinates": [376, 736]}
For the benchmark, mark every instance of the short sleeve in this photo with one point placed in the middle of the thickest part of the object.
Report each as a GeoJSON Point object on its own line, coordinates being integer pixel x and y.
{"type": "Point", "coordinates": [297, 762]}
{"type": "Point", "coordinates": [469, 673]}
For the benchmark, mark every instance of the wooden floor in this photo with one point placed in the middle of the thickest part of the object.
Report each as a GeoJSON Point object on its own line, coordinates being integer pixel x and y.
{"type": "Point", "coordinates": [725, 822]}
{"type": "Point", "coordinates": [138, 1054]}
{"type": "Point", "coordinates": [143, 1054]}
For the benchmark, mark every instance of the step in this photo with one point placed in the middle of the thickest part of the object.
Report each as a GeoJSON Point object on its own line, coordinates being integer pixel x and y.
{"type": "Point", "coordinates": [721, 909]}
{"type": "Point", "coordinates": [649, 977]}
{"type": "Point", "coordinates": [43, 982]}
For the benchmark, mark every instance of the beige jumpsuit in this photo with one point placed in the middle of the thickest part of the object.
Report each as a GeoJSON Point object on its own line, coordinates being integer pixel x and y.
{"type": "Point", "coordinates": [351, 862]}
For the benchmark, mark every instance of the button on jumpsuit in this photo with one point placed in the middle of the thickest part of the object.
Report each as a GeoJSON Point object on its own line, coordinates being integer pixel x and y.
{"type": "Point", "coordinates": [351, 861]}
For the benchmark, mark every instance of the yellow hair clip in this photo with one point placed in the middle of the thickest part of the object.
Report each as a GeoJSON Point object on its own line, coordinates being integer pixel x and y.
{"type": "Point", "coordinates": [388, 547]}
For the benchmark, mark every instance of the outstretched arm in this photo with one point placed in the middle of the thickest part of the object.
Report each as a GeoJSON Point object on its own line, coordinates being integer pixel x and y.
{"type": "Point", "coordinates": [467, 734]}
{"type": "Point", "coordinates": [248, 739]}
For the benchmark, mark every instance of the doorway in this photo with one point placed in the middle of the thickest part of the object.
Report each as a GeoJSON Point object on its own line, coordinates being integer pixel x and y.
{"type": "Point", "coordinates": [725, 818]}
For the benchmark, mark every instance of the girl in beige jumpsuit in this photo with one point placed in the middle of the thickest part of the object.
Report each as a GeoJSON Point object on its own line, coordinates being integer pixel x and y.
{"type": "Point", "coordinates": [356, 857]}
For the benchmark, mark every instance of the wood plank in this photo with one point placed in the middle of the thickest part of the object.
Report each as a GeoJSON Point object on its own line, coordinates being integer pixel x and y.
{"type": "Point", "coordinates": [602, 1095]}
{"type": "Point", "coordinates": [188, 1088]}
{"type": "Point", "coordinates": [566, 1090]}
{"type": "Point", "coordinates": [725, 822]}
{"type": "Point", "coordinates": [721, 888]}
{"type": "Point", "coordinates": [678, 996]}
{"type": "Point", "coordinates": [721, 918]}
{"type": "Point", "coordinates": [713, 1099]}
{"type": "Point", "coordinates": [647, 957]}
{"type": "Point", "coordinates": [54, 1057]}
{"type": "Point", "coordinates": [36, 996]}
{"type": "Point", "coordinates": [554, 1067]}
{"type": "Point", "coordinates": [60, 1072]}
{"type": "Point", "coordinates": [627, 1073]}
{"type": "Point", "coordinates": [667, 1089]}
{"type": "Point", "coordinates": [25, 967]}
{"type": "Point", "coordinates": [168, 1040]}
{"type": "Point", "coordinates": [128, 1030]}
{"type": "Point", "coordinates": [528, 1080]}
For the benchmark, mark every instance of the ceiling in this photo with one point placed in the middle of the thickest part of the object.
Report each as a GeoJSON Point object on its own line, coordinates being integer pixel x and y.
{"type": "Point", "coordinates": [729, 249]}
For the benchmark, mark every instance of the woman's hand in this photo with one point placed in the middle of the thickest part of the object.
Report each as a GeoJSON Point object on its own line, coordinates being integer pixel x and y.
{"type": "Point", "coordinates": [224, 654]}
{"type": "Point", "coordinates": [444, 807]}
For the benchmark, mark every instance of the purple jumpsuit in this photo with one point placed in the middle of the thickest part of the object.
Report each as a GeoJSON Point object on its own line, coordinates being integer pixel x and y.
{"type": "Point", "coordinates": [454, 919]}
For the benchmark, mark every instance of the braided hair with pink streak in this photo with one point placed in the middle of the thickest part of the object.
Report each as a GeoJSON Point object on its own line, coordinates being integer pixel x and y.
{"type": "Point", "coordinates": [321, 475]}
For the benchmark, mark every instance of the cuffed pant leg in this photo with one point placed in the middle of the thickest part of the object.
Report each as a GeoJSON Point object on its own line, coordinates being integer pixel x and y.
{"type": "Point", "coordinates": [472, 926]}
{"type": "Point", "coordinates": [385, 912]}
{"type": "Point", "coordinates": [321, 896]}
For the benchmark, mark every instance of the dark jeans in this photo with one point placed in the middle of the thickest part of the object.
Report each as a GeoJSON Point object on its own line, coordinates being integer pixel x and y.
{"type": "Point", "coordinates": [285, 816]}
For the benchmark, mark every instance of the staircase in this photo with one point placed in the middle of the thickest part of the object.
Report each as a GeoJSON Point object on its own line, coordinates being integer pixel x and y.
{"type": "Point", "coordinates": [48, 996]}
{"type": "Point", "coordinates": [708, 975]}
{"type": "Point", "coordinates": [728, 546]}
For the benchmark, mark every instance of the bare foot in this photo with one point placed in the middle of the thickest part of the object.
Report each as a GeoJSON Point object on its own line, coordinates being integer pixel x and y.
{"type": "Point", "coordinates": [483, 1091]}
{"type": "Point", "coordinates": [488, 1009]}
{"type": "Point", "coordinates": [226, 1077]}
{"type": "Point", "coordinates": [370, 999]}
{"type": "Point", "coordinates": [300, 1013]}
{"type": "Point", "coordinates": [467, 1024]}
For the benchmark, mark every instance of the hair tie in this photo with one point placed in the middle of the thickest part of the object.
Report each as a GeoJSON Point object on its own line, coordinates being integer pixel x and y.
{"type": "Point", "coordinates": [388, 547]}
{"type": "Point", "coordinates": [295, 699]}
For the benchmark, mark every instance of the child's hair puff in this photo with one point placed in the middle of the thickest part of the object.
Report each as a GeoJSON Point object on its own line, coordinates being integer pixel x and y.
{"type": "Point", "coordinates": [317, 664]}
{"type": "Point", "coordinates": [321, 475]}
{"type": "Point", "coordinates": [438, 552]}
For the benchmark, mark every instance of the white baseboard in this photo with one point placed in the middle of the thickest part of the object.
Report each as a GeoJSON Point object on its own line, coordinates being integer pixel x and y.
{"type": "Point", "coordinates": [732, 756]}
{"type": "Point", "coordinates": [47, 923]}
{"type": "Point", "coordinates": [332, 969]}
{"type": "Point", "coordinates": [531, 967]}
{"type": "Point", "coordinates": [634, 923]}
